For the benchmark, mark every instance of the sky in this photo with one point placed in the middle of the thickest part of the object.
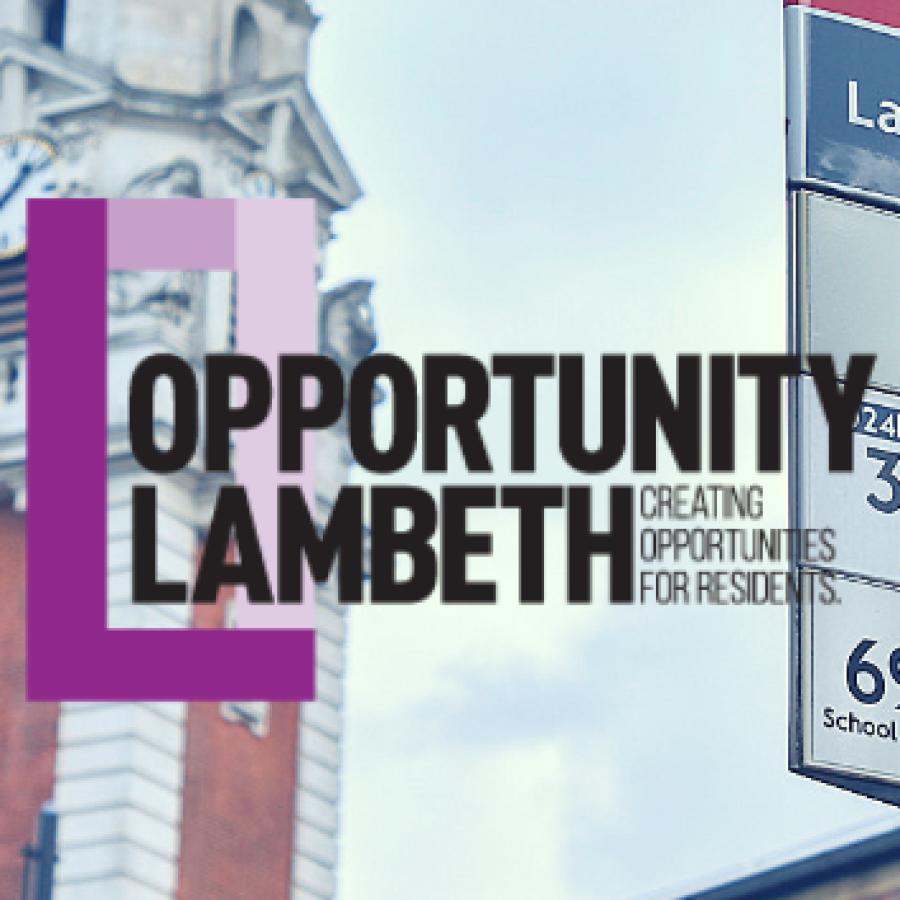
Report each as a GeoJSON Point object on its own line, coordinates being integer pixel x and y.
{"type": "Point", "coordinates": [582, 177]}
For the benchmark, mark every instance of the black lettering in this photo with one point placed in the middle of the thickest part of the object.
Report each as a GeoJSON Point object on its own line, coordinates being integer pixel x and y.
{"type": "Point", "coordinates": [404, 402]}
{"type": "Point", "coordinates": [221, 417]}
{"type": "Point", "coordinates": [341, 539]}
{"type": "Point", "coordinates": [523, 372]}
{"type": "Point", "coordinates": [841, 406]}
{"type": "Point", "coordinates": [232, 515]}
{"type": "Point", "coordinates": [722, 418]}
{"type": "Point", "coordinates": [462, 417]}
{"type": "Point", "coordinates": [141, 419]}
{"type": "Point", "coordinates": [679, 420]}
{"type": "Point", "coordinates": [296, 417]}
{"type": "Point", "coordinates": [617, 543]}
{"type": "Point", "coordinates": [769, 370]}
{"type": "Point", "coordinates": [388, 543]}
{"type": "Point", "coordinates": [458, 544]}
{"type": "Point", "coordinates": [145, 587]}
{"type": "Point", "coordinates": [532, 503]}
{"type": "Point", "coordinates": [572, 414]}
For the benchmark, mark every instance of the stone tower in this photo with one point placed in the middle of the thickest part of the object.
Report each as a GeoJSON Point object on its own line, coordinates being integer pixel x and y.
{"type": "Point", "coordinates": [163, 98]}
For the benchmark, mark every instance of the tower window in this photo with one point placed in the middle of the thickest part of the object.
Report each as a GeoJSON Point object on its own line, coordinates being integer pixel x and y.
{"type": "Point", "coordinates": [10, 380]}
{"type": "Point", "coordinates": [245, 47]}
{"type": "Point", "coordinates": [54, 22]}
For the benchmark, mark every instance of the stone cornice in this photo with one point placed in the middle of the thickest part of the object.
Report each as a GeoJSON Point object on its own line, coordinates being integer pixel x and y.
{"type": "Point", "coordinates": [94, 87]}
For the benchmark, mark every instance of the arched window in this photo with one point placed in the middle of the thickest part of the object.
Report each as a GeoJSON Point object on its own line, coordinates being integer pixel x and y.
{"type": "Point", "coordinates": [245, 49]}
{"type": "Point", "coordinates": [54, 25]}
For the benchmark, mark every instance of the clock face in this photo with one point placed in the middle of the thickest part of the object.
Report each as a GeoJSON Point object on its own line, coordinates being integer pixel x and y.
{"type": "Point", "coordinates": [260, 184]}
{"type": "Point", "coordinates": [28, 168]}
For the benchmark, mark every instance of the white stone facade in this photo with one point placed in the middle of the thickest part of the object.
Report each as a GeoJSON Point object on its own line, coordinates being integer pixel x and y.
{"type": "Point", "coordinates": [172, 98]}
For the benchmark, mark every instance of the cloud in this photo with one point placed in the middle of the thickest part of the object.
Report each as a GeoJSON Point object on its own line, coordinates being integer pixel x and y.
{"type": "Point", "coordinates": [464, 824]}
{"type": "Point", "coordinates": [567, 182]}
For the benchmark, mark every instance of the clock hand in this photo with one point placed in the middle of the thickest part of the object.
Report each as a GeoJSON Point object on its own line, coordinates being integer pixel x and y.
{"type": "Point", "coordinates": [20, 179]}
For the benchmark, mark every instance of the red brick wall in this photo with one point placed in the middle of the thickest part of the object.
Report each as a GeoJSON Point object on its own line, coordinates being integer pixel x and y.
{"type": "Point", "coordinates": [27, 730]}
{"type": "Point", "coordinates": [237, 828]}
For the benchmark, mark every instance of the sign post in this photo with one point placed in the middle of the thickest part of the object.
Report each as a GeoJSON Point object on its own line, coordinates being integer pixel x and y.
{"type": "Point", "coordinates": [843, 102]}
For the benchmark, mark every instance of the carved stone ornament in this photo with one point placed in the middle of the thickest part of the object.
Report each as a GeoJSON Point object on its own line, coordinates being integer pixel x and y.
{"type": "Point", "coordinates": [173, 296]}
{"type": "Point", "coordinates": [178, 178]}
{"type": "Point", "coordinates": [348, 324]}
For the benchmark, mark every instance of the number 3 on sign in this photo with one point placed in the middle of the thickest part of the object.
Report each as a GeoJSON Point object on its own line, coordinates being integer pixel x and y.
{"type": "Point", "coordinates": [888, 475]}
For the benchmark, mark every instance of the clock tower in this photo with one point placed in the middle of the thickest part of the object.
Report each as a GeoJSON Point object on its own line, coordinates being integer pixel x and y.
{"type": "Point", "coordinates": [165, 98]}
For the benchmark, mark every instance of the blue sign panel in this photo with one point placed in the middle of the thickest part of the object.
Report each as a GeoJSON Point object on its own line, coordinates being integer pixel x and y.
{"type": "Point", "coordinates": [852, 94]}
{"type": "Point", "coordinates": [878, 421]}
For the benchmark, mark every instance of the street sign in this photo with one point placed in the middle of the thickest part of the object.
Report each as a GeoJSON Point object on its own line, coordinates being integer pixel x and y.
{"type": "Point", "coordinates": [843, 101]}
{"type": "Point", "coordinates": [843, 104]}
{"type": "Point", "coordinates": [850, 703]}
{"type": "Point", "coordinates": [862, 506]}
{"type": "Point", "coordinates": [849, 293]}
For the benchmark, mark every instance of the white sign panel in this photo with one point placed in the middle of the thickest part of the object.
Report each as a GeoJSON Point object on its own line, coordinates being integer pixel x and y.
{"type": "Point", "coordinates": [843, 115]}
{"type": "Point", "coordinates": [849, 289]}
{"type": "Point", "coordinates": [863, 506]}
{"type": "Point", "coordinates": [852, 689]}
